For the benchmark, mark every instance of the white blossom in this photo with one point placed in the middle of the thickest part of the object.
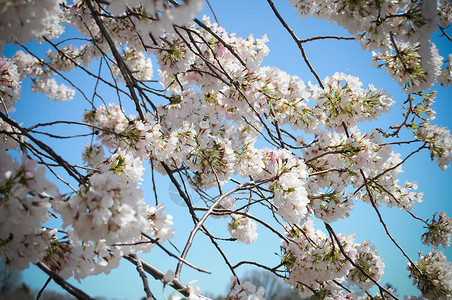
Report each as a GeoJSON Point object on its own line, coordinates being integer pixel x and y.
{"type": "Point", "coordinates": [432, 275]}
{"type": "Point", "coordinates": [243, 229]}
{"type": "Point", "coordinates": [21, 24]}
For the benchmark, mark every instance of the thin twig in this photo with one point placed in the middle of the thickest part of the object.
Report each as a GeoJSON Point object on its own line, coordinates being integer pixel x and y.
{"type": "Point", "coordinates": [445, 34]}
{"type": "Point", "coordinates": [297, 41]}
{"type": "Point", "coordinates": [325, 37]}
{"type": "Point", "coordinates": [372, 201]}
{"type": "Point", "coordinates": [43, 288]}
{"type": "Point", "coordinates": [154, 241]}
{"type": "Point", "coordinates": [204, 217]}
{"type": "Point", "coordinates": [70, 169]}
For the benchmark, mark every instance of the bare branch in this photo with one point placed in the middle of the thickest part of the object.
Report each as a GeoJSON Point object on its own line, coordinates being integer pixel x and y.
{"type": "Point", "coordinates": [79, 294]}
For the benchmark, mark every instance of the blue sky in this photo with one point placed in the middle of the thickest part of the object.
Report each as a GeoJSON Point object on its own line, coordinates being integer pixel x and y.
{"type": "Point", "coordinates": [327, 57]}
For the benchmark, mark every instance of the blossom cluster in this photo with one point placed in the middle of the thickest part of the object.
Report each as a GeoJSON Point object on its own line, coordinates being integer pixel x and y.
{"type": "Point", "coordinates": [221, 104]}
{"type": "Point", "coordinates": [432, 275]}
{"type": "Point", "coordinates": [21, 24]}
{"type": "Point", "coordinates": [349, 156]}
{"type": "Point", "coordinates": [245, 291]}
{"type": "Point", "coordinates": [438, 231]}
{"type": "Point", "coordinates": [160, 17]}
{"type": "Point", "coordinates": [137, 63]}
{"type": "Point", "coordinates": [399, 30]}
{"type": "Point", "coordinates": [368, 259]}
{"type": "Point", "coordinates": [290, 195]}
{"type": "Point", "coordinates": [10, 137]}
{"type": "Point", "coordinates": [439, 142]}
{"type": "Point", "coordinates": [79, 260]}
{"type": "Point", "coordinates": [243, 229]}
{"type": "Point", "coordinates": [111, 205]}
{"type": "Point", "coordinates": [25, 196]}
{"type": "Point", "coordinates": [10, 87]}
{"type": "Point", "coordinates": [312, 260]}
{"type": "Point", "coordinates": [30, 66]}
{"type": "Point", "coordinates": [343, 101]}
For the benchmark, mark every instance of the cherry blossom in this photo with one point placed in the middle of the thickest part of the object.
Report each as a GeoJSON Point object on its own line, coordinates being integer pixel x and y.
{"type": "Point", "coordinates": [432, 275]}
{"type": "Point", "coordinates": [21, 24]}
{"type": "Point", "coordinates": [243, 229]}
{"type": "Point", "coordinates": [244, 136]}
{"type": "Point", "coordinates": [438, 231]}
{"type": "Point", "coordinates": [24, 201]}
{"type": "Point", "coordinates": [367, 258]}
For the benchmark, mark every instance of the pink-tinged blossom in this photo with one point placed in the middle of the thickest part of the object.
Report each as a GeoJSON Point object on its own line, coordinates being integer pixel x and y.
{"type": "Point", "coordinates": [343, 102]}
{"type": "Point", "coordinates": [439, 142]}
{"type": "Point", "coordinates": [24, 207]}
{"type": "Point", "coordinates": [446, 73]}
{"type": "Point", "coordinates": [80, 260]}
{"type": "Point", "coordinates": [10, 136]}
{"type": "Point", "coordinates": [65, 59]}
{"type": "Point", "coordinates": [93, 155]}
{"type": "Point", "coordinates": [290, 175]}
{"type": "Point", "coordinates": [163, 16]}
{"type": "Point", "coordinates": [158, 228]}
{"type": "Point", "coordinates": [194, 291]}
{"type": "Point", "coordinates": [142, 137]}
{"type": "Point", "coordinates": [110, 206]}
{"type": "Point", "coordinates": [58, 92]}
{"type": "Point", "coordinates": [29, 66]}
{"type": "Point", "coordinates": [137, 63]}
{"type": "Point", "coordinates": [331, 206]}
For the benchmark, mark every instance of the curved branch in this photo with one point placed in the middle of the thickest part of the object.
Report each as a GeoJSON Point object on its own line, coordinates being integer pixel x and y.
{"type": "Point", "coordinates": [204, 218]}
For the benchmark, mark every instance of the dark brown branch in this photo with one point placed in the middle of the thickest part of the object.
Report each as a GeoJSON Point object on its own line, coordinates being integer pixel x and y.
{"type": "Point", "coordinates": [383, 223]}
{"type": "Point", "coordinates": [325, 37]}
{"type": "Point", "coordinates": [331, 231]}
{"type": "Point", "coordinates": [226, 45]}
{"type": "Point", "coordinates": [43, 288]}
{"type": "Point", "coordinates": [297, 41]}
{"type": "Point", "coordinates": [79, 294]}
{"type": "Point", "coordinates": [445, 34]}
{"type": "Point", "coordinates": [70, 169]}
{"type": "Point", "coordinates": [122, 66]}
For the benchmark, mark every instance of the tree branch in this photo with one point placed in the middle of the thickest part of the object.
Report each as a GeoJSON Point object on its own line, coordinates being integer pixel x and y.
{"type": "Point", "coordinates": [79, 294]}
